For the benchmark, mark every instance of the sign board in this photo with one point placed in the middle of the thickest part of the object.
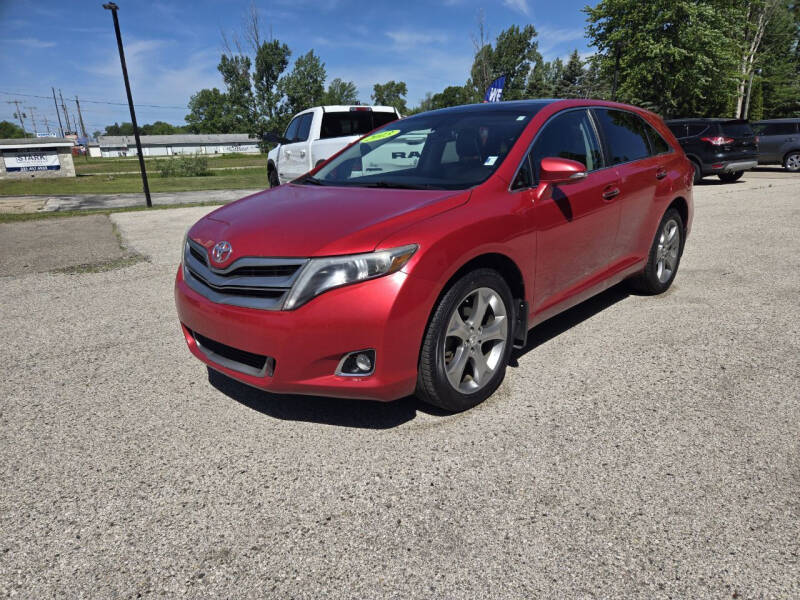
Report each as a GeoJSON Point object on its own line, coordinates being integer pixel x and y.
{"type": "Point", "coordinates": [46, 134]}
{"type": "Point", "coordinates": [31, 160]}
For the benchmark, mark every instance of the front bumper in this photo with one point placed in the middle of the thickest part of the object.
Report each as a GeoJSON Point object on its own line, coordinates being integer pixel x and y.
{"type": "Point", "coordinates": [388, 314]}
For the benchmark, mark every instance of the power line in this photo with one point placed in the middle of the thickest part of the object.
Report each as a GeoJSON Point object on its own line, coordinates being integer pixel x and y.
{"type": "Point", "coordinates": [175, 106]}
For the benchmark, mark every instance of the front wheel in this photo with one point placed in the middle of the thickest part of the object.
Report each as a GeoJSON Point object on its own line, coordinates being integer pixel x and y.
{"type": "Point", "coordinates": [698, 173]}
{"type": "Point", "coordinates": [792, 162]}
{"type": "Point", "coordinates": [730, 177]}
{"type": "Point", "coordinates": [468, 342]}
{"type": "Point", "coordinates": [273, 178]}
{"type": "Point", "coordinates": [665, 256]}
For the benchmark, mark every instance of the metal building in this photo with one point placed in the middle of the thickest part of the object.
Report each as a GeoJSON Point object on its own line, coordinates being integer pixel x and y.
{"type": "Point", "coordinates": [169, 145]}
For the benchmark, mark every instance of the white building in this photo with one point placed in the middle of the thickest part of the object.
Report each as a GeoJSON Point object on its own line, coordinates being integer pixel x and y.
{"type": "Point", "coordinates": [181, 143]}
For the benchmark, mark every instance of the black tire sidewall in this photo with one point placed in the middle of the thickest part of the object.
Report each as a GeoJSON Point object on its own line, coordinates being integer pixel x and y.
{"type": "Point", "coordinates": [652, 283]}
{"type": "Point", "coordinates": [445, 396]}
{"type": "Point", "coordinates": [273, 179]}
{"type": "Point", "coordinates": [731, 177]}
{"type": "Point", "coordinates": [698, 172]}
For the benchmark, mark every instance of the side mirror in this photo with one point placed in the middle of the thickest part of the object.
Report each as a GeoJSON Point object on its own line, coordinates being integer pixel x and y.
{"type": "Point", "coordinates": [561, 170]}
{"type": "Point", "coordinates": [557, 171]}
{"type": "Point", "coordinates": [273, 138]}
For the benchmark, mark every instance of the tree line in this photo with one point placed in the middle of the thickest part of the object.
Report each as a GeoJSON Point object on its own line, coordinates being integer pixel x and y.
{"type": "Point", "coordinates": [709, 58]}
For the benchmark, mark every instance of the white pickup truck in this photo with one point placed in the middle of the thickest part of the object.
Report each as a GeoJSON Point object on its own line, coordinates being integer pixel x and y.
{"type": "Point", "coordinates": [318, 133]}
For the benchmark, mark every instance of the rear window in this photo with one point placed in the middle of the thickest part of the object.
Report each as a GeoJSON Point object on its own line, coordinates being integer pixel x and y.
{"type": "Point", "coordinates": [697, 129]}
{"type": "Point", "coordinates": [626, 136]}
{"type": "Point", "coordinates": [677, 129]}
{"type": "Point", "coordinates": [339, 124]}
{"type": "Point", "coordinates": [775, 128]}
{"type": "Point", "coordinates": [737, 129]}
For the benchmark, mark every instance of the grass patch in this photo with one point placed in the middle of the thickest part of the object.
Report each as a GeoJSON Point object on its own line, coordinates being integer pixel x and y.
{"type": "Point", "coordinates": [249, 178]}
{"type": "Point", "coordinates": [16, 217]}
{"type": "Point", "coordinates": [121, 165]}
{"type": "Point", "coordinates": [104, 265]}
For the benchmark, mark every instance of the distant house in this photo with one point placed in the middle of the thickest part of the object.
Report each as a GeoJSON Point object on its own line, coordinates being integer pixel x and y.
{"type": "Point", "coordinates": [181, 143]}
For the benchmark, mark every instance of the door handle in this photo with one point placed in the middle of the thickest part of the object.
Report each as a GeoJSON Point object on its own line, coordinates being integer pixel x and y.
{"type": "Point", "coordinates": [302, 153]}
{"type": "Point", "coordinates": [287, 152]}
{"type": "Point", "coordinates": [610, 192]}
{"type": "Point", "coordinates": [661, 173]}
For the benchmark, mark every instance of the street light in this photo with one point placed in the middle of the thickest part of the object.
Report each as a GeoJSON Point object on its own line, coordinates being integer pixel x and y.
{"type": "Point", "coordinates": [114, 8]}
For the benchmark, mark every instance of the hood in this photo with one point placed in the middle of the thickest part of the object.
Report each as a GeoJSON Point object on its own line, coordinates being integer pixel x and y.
{"type": "Point", "coordinates": [304, 220]}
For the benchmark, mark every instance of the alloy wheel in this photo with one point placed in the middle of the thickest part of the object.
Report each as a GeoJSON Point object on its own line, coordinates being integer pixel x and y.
{"type": "Point", "coordinates": [793, 162]}
{"type": "Point", "coordinates": [669, 245]}
{"type": "Point", "coordinates": [475, 341]}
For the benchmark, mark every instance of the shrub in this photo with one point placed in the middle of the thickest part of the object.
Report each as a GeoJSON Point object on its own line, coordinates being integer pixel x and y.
{"type": "Point", "coordinates": [185, 165]}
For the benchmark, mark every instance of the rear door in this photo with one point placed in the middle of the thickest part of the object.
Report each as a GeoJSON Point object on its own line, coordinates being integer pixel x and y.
{"type": "Point", "coordinates": [771, 139]}
{"type": "Point", "coordinates": [576, 223]}
{"type": "Point", "coordinates": [639, 170]}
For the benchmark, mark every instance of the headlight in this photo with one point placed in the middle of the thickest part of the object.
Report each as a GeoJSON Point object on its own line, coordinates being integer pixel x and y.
{"type": "Point", "coordinates": [322, 274]}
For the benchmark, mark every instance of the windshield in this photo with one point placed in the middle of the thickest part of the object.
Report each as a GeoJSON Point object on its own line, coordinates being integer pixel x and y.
{"type": "Point", "coordinates": [737, 129]}
{"type": "Point", "coordinates": [439, 150]}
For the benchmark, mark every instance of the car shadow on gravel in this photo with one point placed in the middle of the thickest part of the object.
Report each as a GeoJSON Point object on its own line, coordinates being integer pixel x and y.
{"type": "Point", "coordinates": [555, 326]}
{"type": "Point", "coordinates": [364, 414]}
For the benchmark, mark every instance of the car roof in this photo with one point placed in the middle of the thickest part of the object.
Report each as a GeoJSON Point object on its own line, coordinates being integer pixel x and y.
{"type": "Point", "coordinates": [506, 105]}
{"type": "Point", "coordinates": [783, 120]}
{"type": "Point", "coordinates": [706, 120]}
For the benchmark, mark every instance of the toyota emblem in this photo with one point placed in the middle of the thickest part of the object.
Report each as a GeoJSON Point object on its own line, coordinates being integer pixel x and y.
{"type": "Point", "coordinates": [221, 251]}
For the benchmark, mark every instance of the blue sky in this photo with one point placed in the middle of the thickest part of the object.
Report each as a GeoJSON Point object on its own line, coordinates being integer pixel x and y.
{"type": "Point", "coordinates": [173, 47]}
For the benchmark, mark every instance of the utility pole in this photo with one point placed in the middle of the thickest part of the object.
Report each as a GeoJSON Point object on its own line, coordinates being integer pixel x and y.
{"type": "Point", "coordinates": [46, 125]}
{"type": "Point", "coordinates": [80, 116]}
{"type": "Point", "coordinates": [66, 114]}
{"type": "Point", "coordinates": [33, 118]}
{"type": "Point", "coordinates": [114, 8]}
{"type": "Point", "coordinates": [60, 127]}
{"type": "Point", "coordinates": [19, 114]}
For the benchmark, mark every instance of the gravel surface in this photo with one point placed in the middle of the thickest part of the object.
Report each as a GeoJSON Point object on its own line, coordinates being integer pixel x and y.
{"type": "Point", "coordinates": [643, 447]}
{"type": "Point", "coordinates": [52, 244]}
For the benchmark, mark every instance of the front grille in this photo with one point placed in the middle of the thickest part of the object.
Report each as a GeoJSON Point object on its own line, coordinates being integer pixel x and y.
{"type": "Point", "coordinates": [234, 358]}
{"type": "Point", "coordinates": [251, 282]}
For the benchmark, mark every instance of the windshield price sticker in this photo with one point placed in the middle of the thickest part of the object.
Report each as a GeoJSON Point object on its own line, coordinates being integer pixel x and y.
{"type": "Point", "coordinates": [381, 135]}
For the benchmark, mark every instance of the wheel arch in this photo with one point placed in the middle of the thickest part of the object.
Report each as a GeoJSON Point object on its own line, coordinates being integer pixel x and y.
{"type": "Point", "coordinates": [271, 165]}
{"type": "Point", "coordinates": [786, 154]}
{"type": "Point", "coordinates": [682, 206]}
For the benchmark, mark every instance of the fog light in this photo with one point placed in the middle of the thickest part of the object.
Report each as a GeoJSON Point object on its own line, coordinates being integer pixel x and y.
{"type": "Point", "coordinates": [357, 364]}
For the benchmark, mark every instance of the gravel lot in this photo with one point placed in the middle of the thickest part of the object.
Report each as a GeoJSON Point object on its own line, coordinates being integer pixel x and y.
{"type": "Point", "coordinates": [643, 447]}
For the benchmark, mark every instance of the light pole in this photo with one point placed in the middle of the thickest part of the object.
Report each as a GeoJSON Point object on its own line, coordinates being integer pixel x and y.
{"type": "Point", "coordinates": [114, 8]}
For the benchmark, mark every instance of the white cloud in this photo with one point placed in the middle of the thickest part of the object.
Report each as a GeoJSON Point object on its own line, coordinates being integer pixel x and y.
{"type": "Point", "coordinates": [415, 38]}
{"type": "Point", "coordinates": [518, 5]}
{"type": "Point", "coordinates": [31, 42]}
{"type": "Point", "coordinates": [553, 39]}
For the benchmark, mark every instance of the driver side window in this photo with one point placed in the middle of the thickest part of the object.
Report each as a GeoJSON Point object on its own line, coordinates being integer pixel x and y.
{"type": "Point", "coordinates": [291, 130]}
{"type": "Point", "coordinates": [568, 135]}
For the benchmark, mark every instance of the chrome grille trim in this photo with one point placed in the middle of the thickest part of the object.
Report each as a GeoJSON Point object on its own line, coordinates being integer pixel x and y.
{"type": "Point", "coordinates": [224, 287]}
{"type": "Point", "coordinates": [234, 365]}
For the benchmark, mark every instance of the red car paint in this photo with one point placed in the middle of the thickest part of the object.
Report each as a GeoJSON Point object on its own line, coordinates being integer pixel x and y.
{"type": "Point", "coordinates": [559, 245]}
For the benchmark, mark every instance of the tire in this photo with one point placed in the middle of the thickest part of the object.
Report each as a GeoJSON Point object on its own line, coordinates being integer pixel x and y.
{"type": "Point", "coordinates": [451, 375]}
{"type": "Point", "coordinates": [273, 178]}
{"type": "Point", "coordinates": [664, 257]}
{"type": "Point", "coordinates": [698, 173]}
{"type": "Point", "coordinates": [730, 177]}
{"type": "Point", "coordinates": [792, 162]}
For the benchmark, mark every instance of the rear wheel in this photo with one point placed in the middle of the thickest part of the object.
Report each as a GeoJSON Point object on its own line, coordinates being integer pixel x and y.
{"type": "Point", "coordinates": [273, 178]}
{"type": "Point", "coordinates": [730, 177]}
{"type": "Point", "coordinates": [468, 342]}
{"type": "Point", "coordinates": [792, 162]}
{"type": "Point", "coordinates": [698, 172]}
{"type": "Point", "coordinates": [665, 256]}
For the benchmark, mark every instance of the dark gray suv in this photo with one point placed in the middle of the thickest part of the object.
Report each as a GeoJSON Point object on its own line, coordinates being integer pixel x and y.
{"type": "Point", "coordinates": [779, 142]}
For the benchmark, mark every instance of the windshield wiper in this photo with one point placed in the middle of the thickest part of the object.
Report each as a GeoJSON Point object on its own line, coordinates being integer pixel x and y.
{"type": "Point", "coordinates": [310, 179]}
{"type": "Point", "coordinates": [392, 184]}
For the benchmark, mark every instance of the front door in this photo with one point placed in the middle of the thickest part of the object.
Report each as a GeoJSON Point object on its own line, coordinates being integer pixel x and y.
{"type": "Point", "coordinates": [294, 160]}
{"type": "Point", "coordinates": [576, 222]}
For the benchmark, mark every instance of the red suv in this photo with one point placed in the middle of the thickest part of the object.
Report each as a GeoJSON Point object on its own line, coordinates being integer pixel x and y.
{"type": "Point", "coordinates": [417, 258]}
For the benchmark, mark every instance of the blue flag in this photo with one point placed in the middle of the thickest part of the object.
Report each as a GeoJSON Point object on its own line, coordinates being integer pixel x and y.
{"type": "Point", "coordinates": [495, 91]}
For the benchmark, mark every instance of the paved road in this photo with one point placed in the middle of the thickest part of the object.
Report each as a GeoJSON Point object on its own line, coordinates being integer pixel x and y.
{"type": "Point", "coordinates": [643, 447]}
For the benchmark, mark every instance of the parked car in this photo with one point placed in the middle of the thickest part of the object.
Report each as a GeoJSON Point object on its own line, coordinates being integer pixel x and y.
{"type": "Point", "coordinates": [779, 143]}
{"type": "Point", "coordinates": [378, 284]}
{"type": "Point", "coordinates": [722, 147]}
{"type": "Point", "coordinates": [318, 133]}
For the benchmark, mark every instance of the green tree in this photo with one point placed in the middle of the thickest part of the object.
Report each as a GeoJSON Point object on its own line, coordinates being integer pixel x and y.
{"type": "Point", "coordinates": [673, 57]}
{"type": "Point", "coordinates": [96, 134]}
{"type": "Point", "coordinates": [594, 84]}
{"type": "Point", "coordinates": [235, 70]}
{"type": "Point", "coordinates": [569, 83]}
{"type": "Point", "coordinates": [159, 128]}
{"type": "Point", "coordinates": [209, 112]}
{"type": "Point", "coordinates": [779, 65]}
{"type": "Point", "coordinates": [453, 95]}
{"type": "Point", "coordinates": [272, 59]}
{"type": "Point", "coordinates": [9, 130]}
{"type": "Point", "coordinates": [341, 92]}
{"type": "Point", "coordinates": [537, 87]}
{"type": "Point", "coordinates": [304, 87]}
{"type": "Point", "coordinates": [117, 129]}
{"type": "Point", "coordinates": [391, 93]}
{"type": "Point", "coordinates": [513, 53]}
